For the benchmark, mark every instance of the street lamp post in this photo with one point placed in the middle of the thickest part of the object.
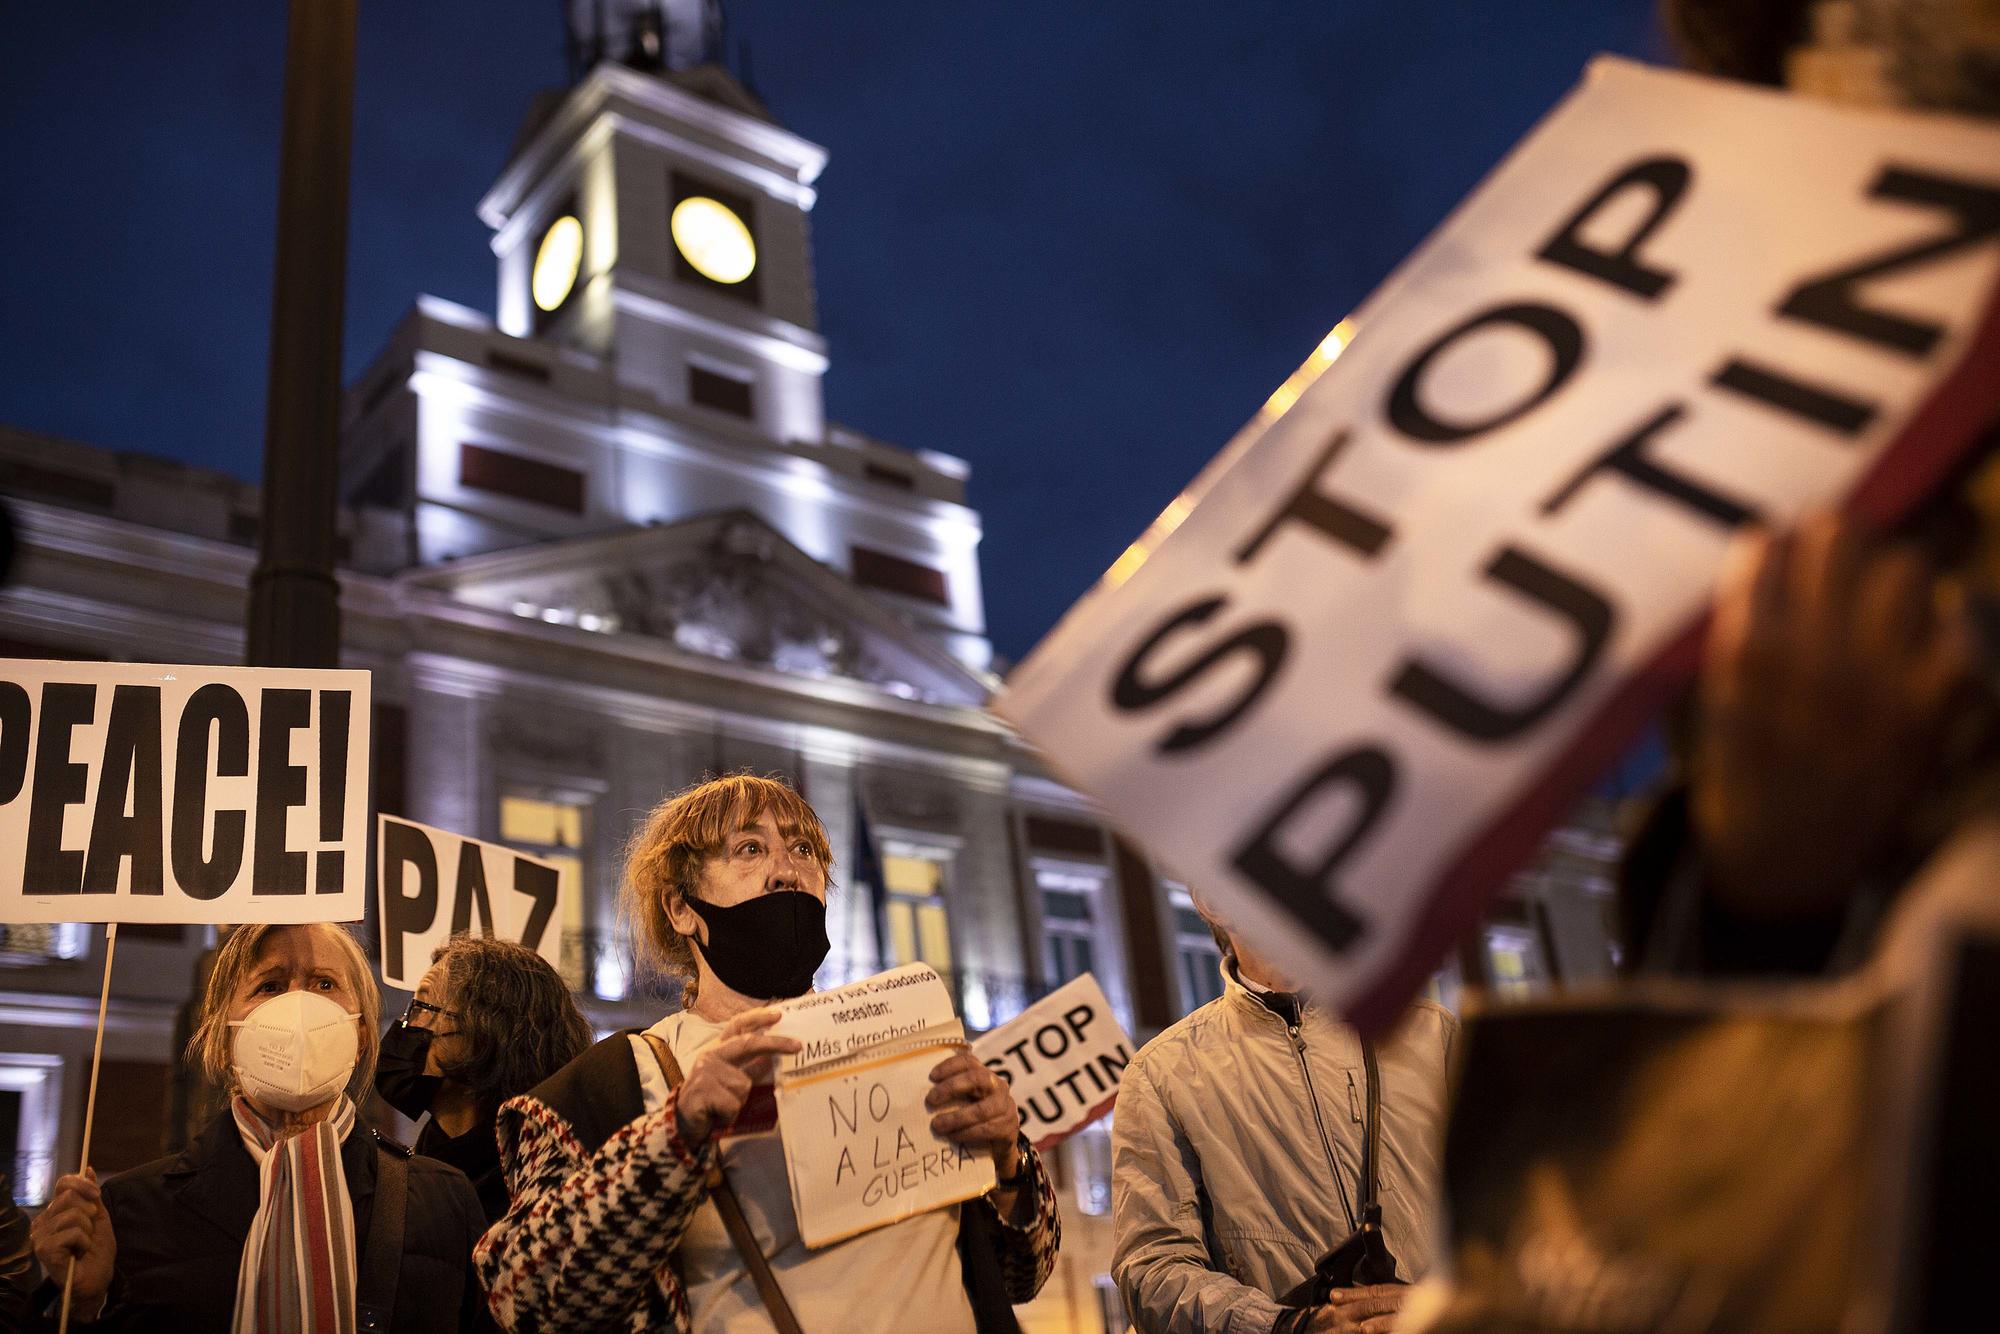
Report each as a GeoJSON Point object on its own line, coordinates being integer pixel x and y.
{"type": "Point", "coordinates": [294, 618]}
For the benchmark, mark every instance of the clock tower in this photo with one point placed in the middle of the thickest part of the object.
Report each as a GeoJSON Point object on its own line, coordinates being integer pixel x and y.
{"type": "Point", "coordinates": [655, 355]}
{"type": "Point", "coordinates": [658, 218]}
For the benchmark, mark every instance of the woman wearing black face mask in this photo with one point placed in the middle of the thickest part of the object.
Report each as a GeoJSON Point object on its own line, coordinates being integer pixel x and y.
{"type": "Point", "coordinates": [490, 1019]}
{"type": "Point", "coordinates": [626, 1205]}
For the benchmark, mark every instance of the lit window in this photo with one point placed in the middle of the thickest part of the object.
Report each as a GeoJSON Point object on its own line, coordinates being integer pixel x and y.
{"type": "Point", "coordinates": [1090, 1162]}
{"type": "Point", "coordinates": [30, 1109]}
{"type": "Point", "coordinates": [914, 879]}
{"type": "Point", "coordinates": [1069, 920]}
{"type": "Point", "coordinates": [552, 829]}
{"type": "Point", "coordinates": [1196, 959]}
{"type": "Point", "coordinates": [1514, 961]}
{"type": "Point", "coordinates": [550, 824]}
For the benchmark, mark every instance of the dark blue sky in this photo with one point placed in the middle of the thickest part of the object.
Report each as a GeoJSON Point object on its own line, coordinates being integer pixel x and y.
{"type": "Point", "coordinates": [1076, 244]}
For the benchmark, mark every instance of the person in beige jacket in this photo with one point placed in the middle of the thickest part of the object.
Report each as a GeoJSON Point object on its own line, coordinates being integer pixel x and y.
{"type": "Point", "coordinates": [1236, 1153]}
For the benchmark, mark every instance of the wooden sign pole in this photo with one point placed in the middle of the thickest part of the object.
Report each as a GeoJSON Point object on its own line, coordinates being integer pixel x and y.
{"type": "Point", "coordinates": [90, 1103]}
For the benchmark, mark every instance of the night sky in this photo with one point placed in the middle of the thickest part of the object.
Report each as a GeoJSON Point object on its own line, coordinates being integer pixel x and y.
{"type": "Point", "coordinates": [1076, 244]}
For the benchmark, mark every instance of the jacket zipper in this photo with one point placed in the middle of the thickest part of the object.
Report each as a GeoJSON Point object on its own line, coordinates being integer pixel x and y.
{"type": "Point", "coordinates": [1353, 1099]}
{"type": "Point", "coordinates": [1332, 1163]}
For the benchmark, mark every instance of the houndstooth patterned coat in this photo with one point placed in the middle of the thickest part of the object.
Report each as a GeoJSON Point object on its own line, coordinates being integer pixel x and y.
{"type": "Point", "coordinates": [603, 1191]}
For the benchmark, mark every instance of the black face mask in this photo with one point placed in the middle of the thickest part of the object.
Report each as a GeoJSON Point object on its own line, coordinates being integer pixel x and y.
{"type": "Point", "coordinates": [766, 948]}
{"type": "Point", "coordinates": [399, 1071]}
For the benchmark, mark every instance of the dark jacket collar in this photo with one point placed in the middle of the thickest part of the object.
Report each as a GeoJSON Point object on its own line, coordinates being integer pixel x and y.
{"type": "Point", "coordinates": [216, 1177]}
{"type": "Point", "coordinates": [598, 1093]}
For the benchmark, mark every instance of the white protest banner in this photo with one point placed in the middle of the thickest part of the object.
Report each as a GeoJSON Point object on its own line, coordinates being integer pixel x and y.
{"type": "Point", "coordinates": [1063, 1056]}
{"type": "Point", "coordinates": [139, 793]}
{"type": "Point", "coordinates": [434, 884]}
{"type": "Point", "coordinates": [858, 1143]}
{"type": "Point", "coordinates": [1345, 683]}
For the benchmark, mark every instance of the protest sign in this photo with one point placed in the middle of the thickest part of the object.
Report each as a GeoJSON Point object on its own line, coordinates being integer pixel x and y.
{"type": "Point", "coordinates": [858, 1144]}
{"type": "Point", "coordinates": [435, 884]}
{"type": "Point", "coordinates": [1063, 1056]}
{"type": "Point", "coordinates": [139, 793]}
{"type": "Point", "coordinates": [1347, 680]}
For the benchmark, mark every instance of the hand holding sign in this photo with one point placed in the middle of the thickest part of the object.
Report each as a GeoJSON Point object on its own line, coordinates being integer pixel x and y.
{"type": "Point", "coordinates": [1827, 687]}
{"type": "Point", "coordinates": [720, 1080]}
{"type": "Point", "coordinates": [74, 1229]}
{"type": "Point", "coordinates": [975, 1109]}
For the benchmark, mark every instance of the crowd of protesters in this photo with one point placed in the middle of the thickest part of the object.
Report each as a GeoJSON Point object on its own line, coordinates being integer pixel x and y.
{"type": "Point", "coordinates": [1271, 1171]}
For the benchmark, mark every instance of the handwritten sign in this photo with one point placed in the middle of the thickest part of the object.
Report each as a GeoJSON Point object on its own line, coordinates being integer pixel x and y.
{"type": "Point", "coordinates": [490, 890]}
{"type": "Point", "coordinates": [858, 1144]}
{"type": "Point", "coordinates": [139, 793]}
{"type": "Point", "coordinates": [1349, 678]}
{"type": "Point", "coordinates": [1063, 1056]}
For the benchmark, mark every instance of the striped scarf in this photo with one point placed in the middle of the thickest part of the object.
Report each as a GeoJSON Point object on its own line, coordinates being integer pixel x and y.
{"type": "Point", "coordinates": [297, 1275]}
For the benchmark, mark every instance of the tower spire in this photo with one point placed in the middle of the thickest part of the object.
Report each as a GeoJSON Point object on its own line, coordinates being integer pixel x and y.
{"type": "Point", "coordinates": [654, 36]}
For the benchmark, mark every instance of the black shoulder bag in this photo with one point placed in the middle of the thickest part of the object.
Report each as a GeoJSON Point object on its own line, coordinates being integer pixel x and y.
{"type": "Point", "coordinates": [1364, 1258]}
{"type": "Point", "coordinates": [382, 1255]}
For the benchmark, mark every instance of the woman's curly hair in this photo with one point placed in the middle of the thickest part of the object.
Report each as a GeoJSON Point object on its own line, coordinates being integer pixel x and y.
{"type": "Point", "coordinates": [515, 1014]}
{"type": "Point", "coordinates": [664, 859]}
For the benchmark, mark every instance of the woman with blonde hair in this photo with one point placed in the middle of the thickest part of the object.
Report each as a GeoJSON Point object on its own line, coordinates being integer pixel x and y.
{"type": "Point", "coordinates": [285, 1214]}
{"type": "Point", "coordinates": [629, 1213]}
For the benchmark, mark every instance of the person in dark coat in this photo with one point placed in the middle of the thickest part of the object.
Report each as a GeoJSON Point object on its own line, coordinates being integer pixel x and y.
{"type": "Point", "coordinates": [490, 1019]}
{"type": "Point", "coordinates": [205, 1240]}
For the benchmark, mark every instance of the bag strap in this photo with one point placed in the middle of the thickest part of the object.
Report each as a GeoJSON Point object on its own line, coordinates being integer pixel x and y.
{"type": "Point", "coordinates": [382, 1257]}
{"type": "Point", "coordinates": [731, 1210]}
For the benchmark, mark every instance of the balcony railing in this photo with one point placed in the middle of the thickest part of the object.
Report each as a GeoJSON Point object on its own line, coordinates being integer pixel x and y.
{"type": "Point", "coordinates": [42, 942]}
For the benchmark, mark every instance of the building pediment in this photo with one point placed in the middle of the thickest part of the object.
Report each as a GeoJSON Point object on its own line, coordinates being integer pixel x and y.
{"type": "Point", "coordinates": [727, 587]}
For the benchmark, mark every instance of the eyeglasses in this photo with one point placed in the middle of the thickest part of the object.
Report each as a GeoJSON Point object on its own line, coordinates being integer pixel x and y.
{"type": "Point", "coordinates": [419, 1009]}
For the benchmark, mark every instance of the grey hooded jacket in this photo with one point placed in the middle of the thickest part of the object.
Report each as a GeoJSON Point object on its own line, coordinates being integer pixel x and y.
{"type": "Point", "coordinates": [1236, 1151]}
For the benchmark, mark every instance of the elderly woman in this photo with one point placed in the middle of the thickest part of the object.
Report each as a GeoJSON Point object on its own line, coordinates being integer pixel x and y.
{"type": "Point", "coordinates": [284, 1214]}
{"type": "Point", "coordinates": [490, 1019]}
{"type": "Point", "coordinates": [621, 1216]}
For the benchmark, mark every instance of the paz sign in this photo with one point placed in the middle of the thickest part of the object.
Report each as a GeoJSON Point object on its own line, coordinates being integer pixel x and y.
{"type": "Point", "coordinates": [139, 793]}
{"type": "Point", "coordinates": [1349, 678]}
{"type": "Point", "coordinates": [435, 884]}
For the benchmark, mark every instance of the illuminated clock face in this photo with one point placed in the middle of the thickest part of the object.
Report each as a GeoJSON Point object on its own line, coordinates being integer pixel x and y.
{"type": "Point", "coordinates": [713, 239]}
{"type": "Point", "coordinates": [556, 263]}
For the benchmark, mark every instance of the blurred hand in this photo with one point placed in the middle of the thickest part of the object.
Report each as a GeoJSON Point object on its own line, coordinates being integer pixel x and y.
{"type": "Point", "coordinates": [975, 1108]}
{"type": "Point", "coordinates": [1370, 1310]}
{"type": "Point", "coordinates": [75, 1228]}
{"type": "Point", "coordinates": [720, 1079]}
{"type": "Point", "coordinates": [1828, 679]}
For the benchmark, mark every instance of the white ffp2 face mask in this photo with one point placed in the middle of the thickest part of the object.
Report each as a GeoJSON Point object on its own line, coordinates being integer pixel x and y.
{"type": "Point", "coordinates": [295, 1051]}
